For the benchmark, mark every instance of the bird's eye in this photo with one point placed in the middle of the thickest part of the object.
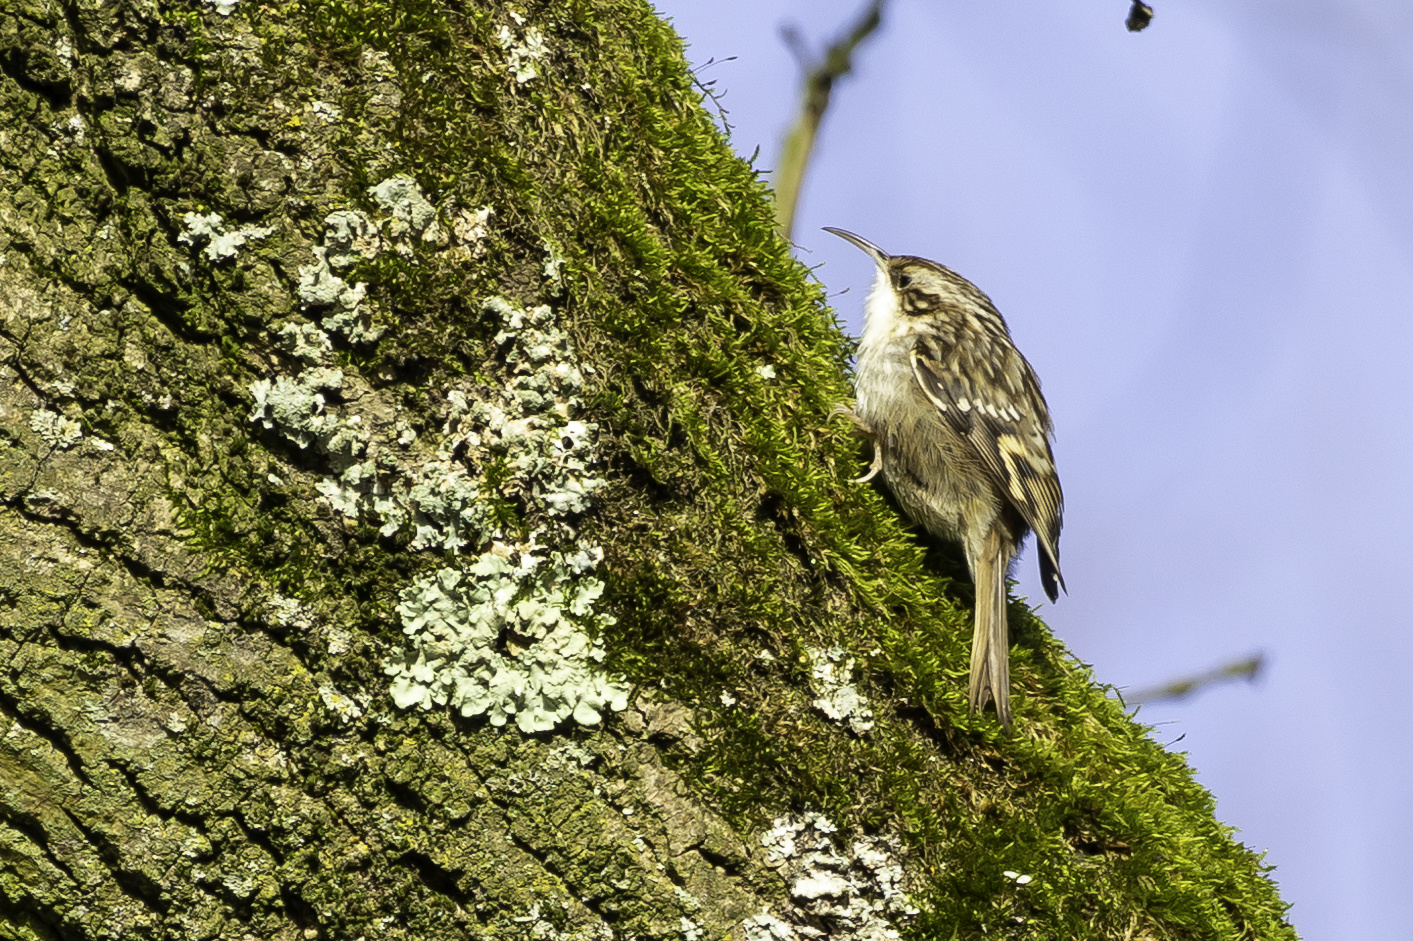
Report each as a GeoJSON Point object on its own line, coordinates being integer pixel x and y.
{"type": "Point", "coordinates": [904, 280]}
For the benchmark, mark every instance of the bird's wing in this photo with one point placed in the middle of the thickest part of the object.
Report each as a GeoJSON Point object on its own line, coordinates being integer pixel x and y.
{"type": "Point", "coordinates": [1007, 425]}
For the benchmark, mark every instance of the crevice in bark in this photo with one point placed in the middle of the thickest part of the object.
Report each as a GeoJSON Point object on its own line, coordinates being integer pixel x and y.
{"type": "Point", "coordinates": [149, 803]}
{"type": "Point", "coordinates": [300, 911]}
{"type": "Point", "coordinates": [437, 878]}
{"type": "Point", "coordinates": [33, 831]}
{"type": "Point", "coordinates": [24, 918]}
{"type": "Point", "coordinates": [58, 95]}
{"type": "Point", "coordinates": [114, 171]}
{"type": "Point", "coordinates": [136, 885]}
{"type": "Point", "coordinates": [601, 905]}
{"type": "Point", "coordinates": [57, 740]}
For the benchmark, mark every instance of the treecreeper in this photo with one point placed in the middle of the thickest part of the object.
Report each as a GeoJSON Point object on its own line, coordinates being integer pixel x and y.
{"type": "Point", "coordinates": [961, 436]}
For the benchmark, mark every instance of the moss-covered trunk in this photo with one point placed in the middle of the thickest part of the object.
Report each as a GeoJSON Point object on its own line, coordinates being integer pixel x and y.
{"type": "Point", "coordinates": [421, 518]}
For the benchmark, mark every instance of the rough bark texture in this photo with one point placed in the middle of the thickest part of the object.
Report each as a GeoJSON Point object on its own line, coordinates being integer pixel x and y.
{"type": "Point", "coordinates": [278, 398]}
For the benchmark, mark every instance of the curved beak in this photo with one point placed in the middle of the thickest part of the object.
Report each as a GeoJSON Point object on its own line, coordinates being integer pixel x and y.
{"type": "Point", "coordinates": [879, 256]}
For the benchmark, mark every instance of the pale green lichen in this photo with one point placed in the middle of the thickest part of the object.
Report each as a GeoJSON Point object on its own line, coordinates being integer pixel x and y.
{"type": "Point", "coordinates": [412, 213]}
{"type": "Point", "coordinates": [838, 698]}
{"type": "Point", "coordinates": [506, 638]}
{"type": "Point", "coordinates": [54, 429]}
{"type": "Point", "coordinates": [854, 891]}
{"type": "Point", "coordinates": [349, 235]}
{"type": "Point", "coordinates": [320, 287]}
{"type": "Point", "coordinates": [526, 428]}
{"type": "Point", "coordinates": [554, 268]}
{"type": "Point", "coordinates": [521, 53]}
{"type": "Point", "coordinates": [210, 229]}
{"type": "Point", "coordinates": [305, 341]}
{"type": "Point", "coordinates": [510, 635]}
{"type": "Point", "coordinates": [296, 407]}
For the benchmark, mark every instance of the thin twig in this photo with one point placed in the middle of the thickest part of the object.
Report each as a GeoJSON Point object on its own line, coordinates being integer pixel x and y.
{"type": "Point", "coordinates": [819, 84]}
{"type": "Point", "coordinates": [1248, 668]}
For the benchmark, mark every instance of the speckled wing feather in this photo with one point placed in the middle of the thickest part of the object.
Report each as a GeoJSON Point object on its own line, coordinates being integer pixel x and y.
{"type": "Point", "coordinates": [1008, 427]}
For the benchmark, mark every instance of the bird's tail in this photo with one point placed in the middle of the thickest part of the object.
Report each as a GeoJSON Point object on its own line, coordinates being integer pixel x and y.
{"type": "Point", "coordinates": [990, 642]}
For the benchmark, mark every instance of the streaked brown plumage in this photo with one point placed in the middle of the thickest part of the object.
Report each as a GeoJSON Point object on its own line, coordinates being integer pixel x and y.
{"type": "Point", "coordinates": [961, 435]}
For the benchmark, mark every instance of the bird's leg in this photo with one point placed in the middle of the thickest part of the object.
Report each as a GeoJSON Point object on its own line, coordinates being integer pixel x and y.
{"type": "Point", "coordinates": [867, 432]}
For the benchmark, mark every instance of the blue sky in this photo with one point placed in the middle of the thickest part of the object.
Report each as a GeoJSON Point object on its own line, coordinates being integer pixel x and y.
{"type": "Point", "coordinates": [1202, 237]}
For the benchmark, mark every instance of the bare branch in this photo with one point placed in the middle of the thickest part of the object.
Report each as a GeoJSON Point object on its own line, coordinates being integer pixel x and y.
{"type": "Point", "coordinates": [818, 86]}
{"type": "Point", "coordinates": [1248, 668]}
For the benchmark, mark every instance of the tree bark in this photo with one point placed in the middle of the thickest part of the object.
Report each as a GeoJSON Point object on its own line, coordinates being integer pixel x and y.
{"type": "Point", "coordinates": [421, 518]}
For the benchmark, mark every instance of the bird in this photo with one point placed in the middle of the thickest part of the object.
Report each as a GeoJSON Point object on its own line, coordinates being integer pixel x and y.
{"type": "Point", "coordinates": [961, 436]}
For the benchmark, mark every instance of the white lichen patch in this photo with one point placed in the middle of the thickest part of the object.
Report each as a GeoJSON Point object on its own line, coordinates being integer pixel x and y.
{"type": "Point", "coordinates": [509, 634]}
{"type": "Point", "coordinates": [838, 698]}
{"type": "Point", "coordinates": [54, 429]}
{"type": "Point", "coordinates": [343, 707]}
{"type": "Point", "coordinates": [540, 926]}
{"type": "Point", "coordinates": [522, 52]}
{"type": "Point", "coordinates": [525, 432]}
{"type": "Point", "coordinates": [506, 638]}
{"type": "Point", "coordinates": [469, 229]}
{"type": "Point", "coordinates": [348, 236]}
{"type": "Point", "coordinates": [306, 341]}
{"type": "Point", "coordinates": [297, 407]}
{"type": "Point", "coordinates": [413, 216]}
{"type": "Point", "coordinates": [856, 893]}
{"type": "Point", "coordinates": [66, 133]}
{"type": "Point", "coordinates": [289, 612]}
{"type": "Point", "coordinates": [329, 114]}
{"type": "Point", "coordinates": [210, 230]}
{"type": "Point", "coordinates": [64, 50]}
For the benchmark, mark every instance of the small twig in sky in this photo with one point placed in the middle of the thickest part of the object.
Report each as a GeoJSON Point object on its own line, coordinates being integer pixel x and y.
{"type": "Point", "coordinates": [1247, 668]}
{"type": "Point", "coordinates": [819, 84]}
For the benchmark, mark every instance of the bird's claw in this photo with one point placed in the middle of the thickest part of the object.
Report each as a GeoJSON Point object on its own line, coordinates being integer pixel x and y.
{"type": "Point", "coordinates": [873, 469]}
{"type": "Point", "coordinates": [867, 432]}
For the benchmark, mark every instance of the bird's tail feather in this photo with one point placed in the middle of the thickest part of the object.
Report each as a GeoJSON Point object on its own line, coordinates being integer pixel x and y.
{"type": "Point", "coordinates": [990, 641]}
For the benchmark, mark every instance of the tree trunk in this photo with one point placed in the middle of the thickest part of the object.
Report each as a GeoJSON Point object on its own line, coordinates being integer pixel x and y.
{"type": "Point", "coordinates": [421, 518]}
